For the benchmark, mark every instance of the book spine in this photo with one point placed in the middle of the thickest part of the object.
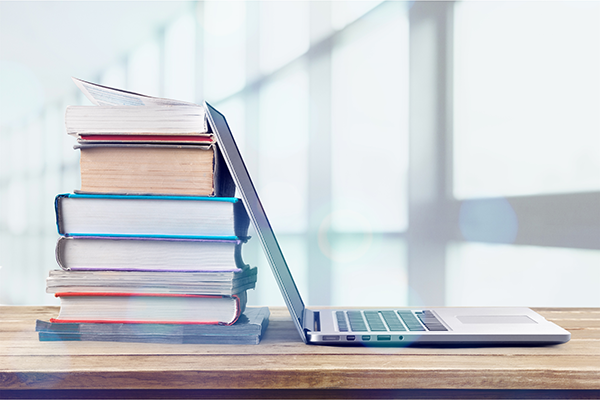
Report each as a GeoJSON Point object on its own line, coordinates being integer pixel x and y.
{"type": "Point", "coordinates": [58, 212]}
{"type": "Point", "coordinates": [58, 253]}
{"type": "Point", "coordinates": [224, 186]}
{"type": "Point", "coordinates": [241, 220]}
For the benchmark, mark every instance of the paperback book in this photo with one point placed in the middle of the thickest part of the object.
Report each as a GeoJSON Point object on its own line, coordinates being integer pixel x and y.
{"type": "Point", "coordinates": [211, 283]}
{"type": "Point", "coordinates": [180, 119]}
{"type": "Point", "coordinates": [248, 329]}
{"type": "Point", "coordinates": [165, 308]}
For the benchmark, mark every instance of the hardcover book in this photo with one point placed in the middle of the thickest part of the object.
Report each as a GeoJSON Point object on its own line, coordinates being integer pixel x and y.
{"type": "Point", "coordinates": [124, 253]}
{"type": "Point", "coordinates": [146, 168]}
{"type": "Point", "coordinates": [80, 215]}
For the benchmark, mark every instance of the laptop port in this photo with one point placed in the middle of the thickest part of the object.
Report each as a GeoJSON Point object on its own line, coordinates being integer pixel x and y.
{"type": "Point", "coordinates": [366, 337]}
{"type": "Point", "coordinates": [331, 337]}
{"type": "Point", "coordinates": [384, 337]}
{"type": "Point", "coordinates": [350, 337]}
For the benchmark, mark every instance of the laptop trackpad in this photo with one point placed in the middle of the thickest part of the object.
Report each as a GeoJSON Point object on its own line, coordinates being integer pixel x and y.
{"type": "Point", "coordinates": [495, 319]}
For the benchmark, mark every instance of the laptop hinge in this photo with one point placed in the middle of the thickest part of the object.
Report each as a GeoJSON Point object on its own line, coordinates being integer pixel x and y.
{"type": "Point", "coordinates": [312, 321]}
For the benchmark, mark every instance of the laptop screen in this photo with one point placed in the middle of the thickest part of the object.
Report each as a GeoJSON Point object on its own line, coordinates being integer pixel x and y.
{"type": "Point", "coordinates": [255, 210]}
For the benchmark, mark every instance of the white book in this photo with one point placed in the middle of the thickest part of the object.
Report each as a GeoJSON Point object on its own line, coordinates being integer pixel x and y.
{"type": "Point", "coordinates": [148, 254]}
{"type": "Point", "coordinates": [149, 308]}
{"type": "Point", "coordinates": [212, 283]}
{"type": "Point", "coordinates": [164, 216]}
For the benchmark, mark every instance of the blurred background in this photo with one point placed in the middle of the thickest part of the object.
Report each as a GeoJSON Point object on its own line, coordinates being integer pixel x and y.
{"type": "Point", "coordinates": [407, 153]}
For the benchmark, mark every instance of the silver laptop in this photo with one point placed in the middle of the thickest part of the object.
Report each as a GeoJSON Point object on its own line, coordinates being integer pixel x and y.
{"type": "Point", "coordinates": [382, 326]}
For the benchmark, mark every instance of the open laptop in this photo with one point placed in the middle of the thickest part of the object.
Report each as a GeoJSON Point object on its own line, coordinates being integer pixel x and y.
{"type": "Point", "coordinates": [385, 326]}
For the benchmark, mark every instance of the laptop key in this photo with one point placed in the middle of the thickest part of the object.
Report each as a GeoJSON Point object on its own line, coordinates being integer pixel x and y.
{"type": "Point", "coordinates": [411, 322]}
{"type": "Point", "coordinates": [392, 320]}
{"type": "Point", "coordinates": [374, 321]}
{"type": "Point", "coordinates": [357, 324]}
{"type": "Point", "coordinates": [430, 321]}
{"type": "Point", "coordinates": [341, 321]}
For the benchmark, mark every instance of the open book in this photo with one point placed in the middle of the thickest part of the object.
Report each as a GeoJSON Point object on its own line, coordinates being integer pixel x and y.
{"type": "Point", "coordinates": [106, 96]}
{"type": "Point", "coordinates": [113, 114]}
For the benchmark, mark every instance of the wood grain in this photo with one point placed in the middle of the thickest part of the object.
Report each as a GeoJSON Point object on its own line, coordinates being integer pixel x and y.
{"type": "Point", "coordinates": [283, 362]}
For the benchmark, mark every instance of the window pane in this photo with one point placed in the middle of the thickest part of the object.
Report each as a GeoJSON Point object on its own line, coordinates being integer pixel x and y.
{"type": "Point", "coordinates": [505, 275]}
{"type": "Point", "coordinates": [527, 98]}
{"type": "Point", "coordinates": [54, 129]}
{"type": "Point", "coordinates": [143, 70]}
{"type": "Point", "coordinates": [16, 206]}
{"type": "Point", "coordinates": [283, 151]}
{"type": "Point", "coordinates": [346, 12]}
{"type": "Point", "coordinates": [267, 291]}
{"type": "Point", "coordinates": [235, 113]}
{"type": "Point", "coordinates": [115, 76]}
{"type": "Point", "coordinates": [180, 56]}
{"type": "Point", "coordinates": [284, 32]}
{"type": "Point", "coordinates": [34, 147]}
{"type": "Point", "coordinates": [368, 270]}
{"type": "Point", "coordinates": [70, 156]}
{"type": "Point", "coordinates": [224, 48]}
{"type": "Point", "coordinates": [370, 127]}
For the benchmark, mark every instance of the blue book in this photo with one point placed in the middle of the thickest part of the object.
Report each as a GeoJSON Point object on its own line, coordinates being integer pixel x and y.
{"type": "Point", "coordinates": [151, 216]}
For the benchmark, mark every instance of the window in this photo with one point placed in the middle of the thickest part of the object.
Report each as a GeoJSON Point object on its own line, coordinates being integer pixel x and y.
{"type": "Point", "coordinates": [224, 58]}
{"type": "Point", "coordinates": [527, 98]}
{"type": "Point", "coordinates": [180, 59]}
{"type": "Point", "coordinates": [407, 153]}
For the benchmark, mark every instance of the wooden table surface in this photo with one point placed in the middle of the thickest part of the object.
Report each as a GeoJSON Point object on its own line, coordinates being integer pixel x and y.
{"type": "Point", "coordinates": [283, 366]}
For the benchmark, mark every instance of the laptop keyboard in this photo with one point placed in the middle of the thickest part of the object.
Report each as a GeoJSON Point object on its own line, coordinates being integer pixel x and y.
{"type": "Point", "coordinates": [388, 320]}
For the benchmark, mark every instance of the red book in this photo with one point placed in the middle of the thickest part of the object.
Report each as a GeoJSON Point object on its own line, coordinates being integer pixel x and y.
{"type": "Point", "coordinates": [141, 308]}
{"type": "Point", "coordinates": [204, 139]}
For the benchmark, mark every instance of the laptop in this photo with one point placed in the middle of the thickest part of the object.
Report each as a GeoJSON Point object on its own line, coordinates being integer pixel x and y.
{"type": "Point", "coordinates": [464, 326]}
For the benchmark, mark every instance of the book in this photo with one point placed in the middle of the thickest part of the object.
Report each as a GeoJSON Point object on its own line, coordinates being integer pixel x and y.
{"type": "Point", "coordinates": [248, 329]}
{"type": "Point", "coordinates": [107, 96]}
{"type": "Point", "coordinates": [212, 283]}
{"type": "Point", "coordinates": [144, 138]}
{"type": "Point", "coordinates": [164, 308]}
{"type": "Point", "coordinates": [126, 253]}
{"type": "Point", "coordinates": [143, 168]}
{"type": "Point", "coordinates": [126, 117]}
{"type": "Point", "coordinates": [167, 216]}
{"type": "Point", "coordinates": [181, 119]}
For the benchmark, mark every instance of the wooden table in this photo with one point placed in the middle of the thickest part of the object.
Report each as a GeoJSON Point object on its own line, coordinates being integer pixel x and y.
{"type": "Point", "coordinates": [282, 366]}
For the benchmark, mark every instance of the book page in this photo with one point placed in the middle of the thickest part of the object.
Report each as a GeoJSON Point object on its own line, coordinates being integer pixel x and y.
{"type": "Point", "coordinates": [107, 96]}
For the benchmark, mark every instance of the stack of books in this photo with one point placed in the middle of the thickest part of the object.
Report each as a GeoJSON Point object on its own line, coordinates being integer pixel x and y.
{"type": "Point", "coordinates": [151, 244]}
